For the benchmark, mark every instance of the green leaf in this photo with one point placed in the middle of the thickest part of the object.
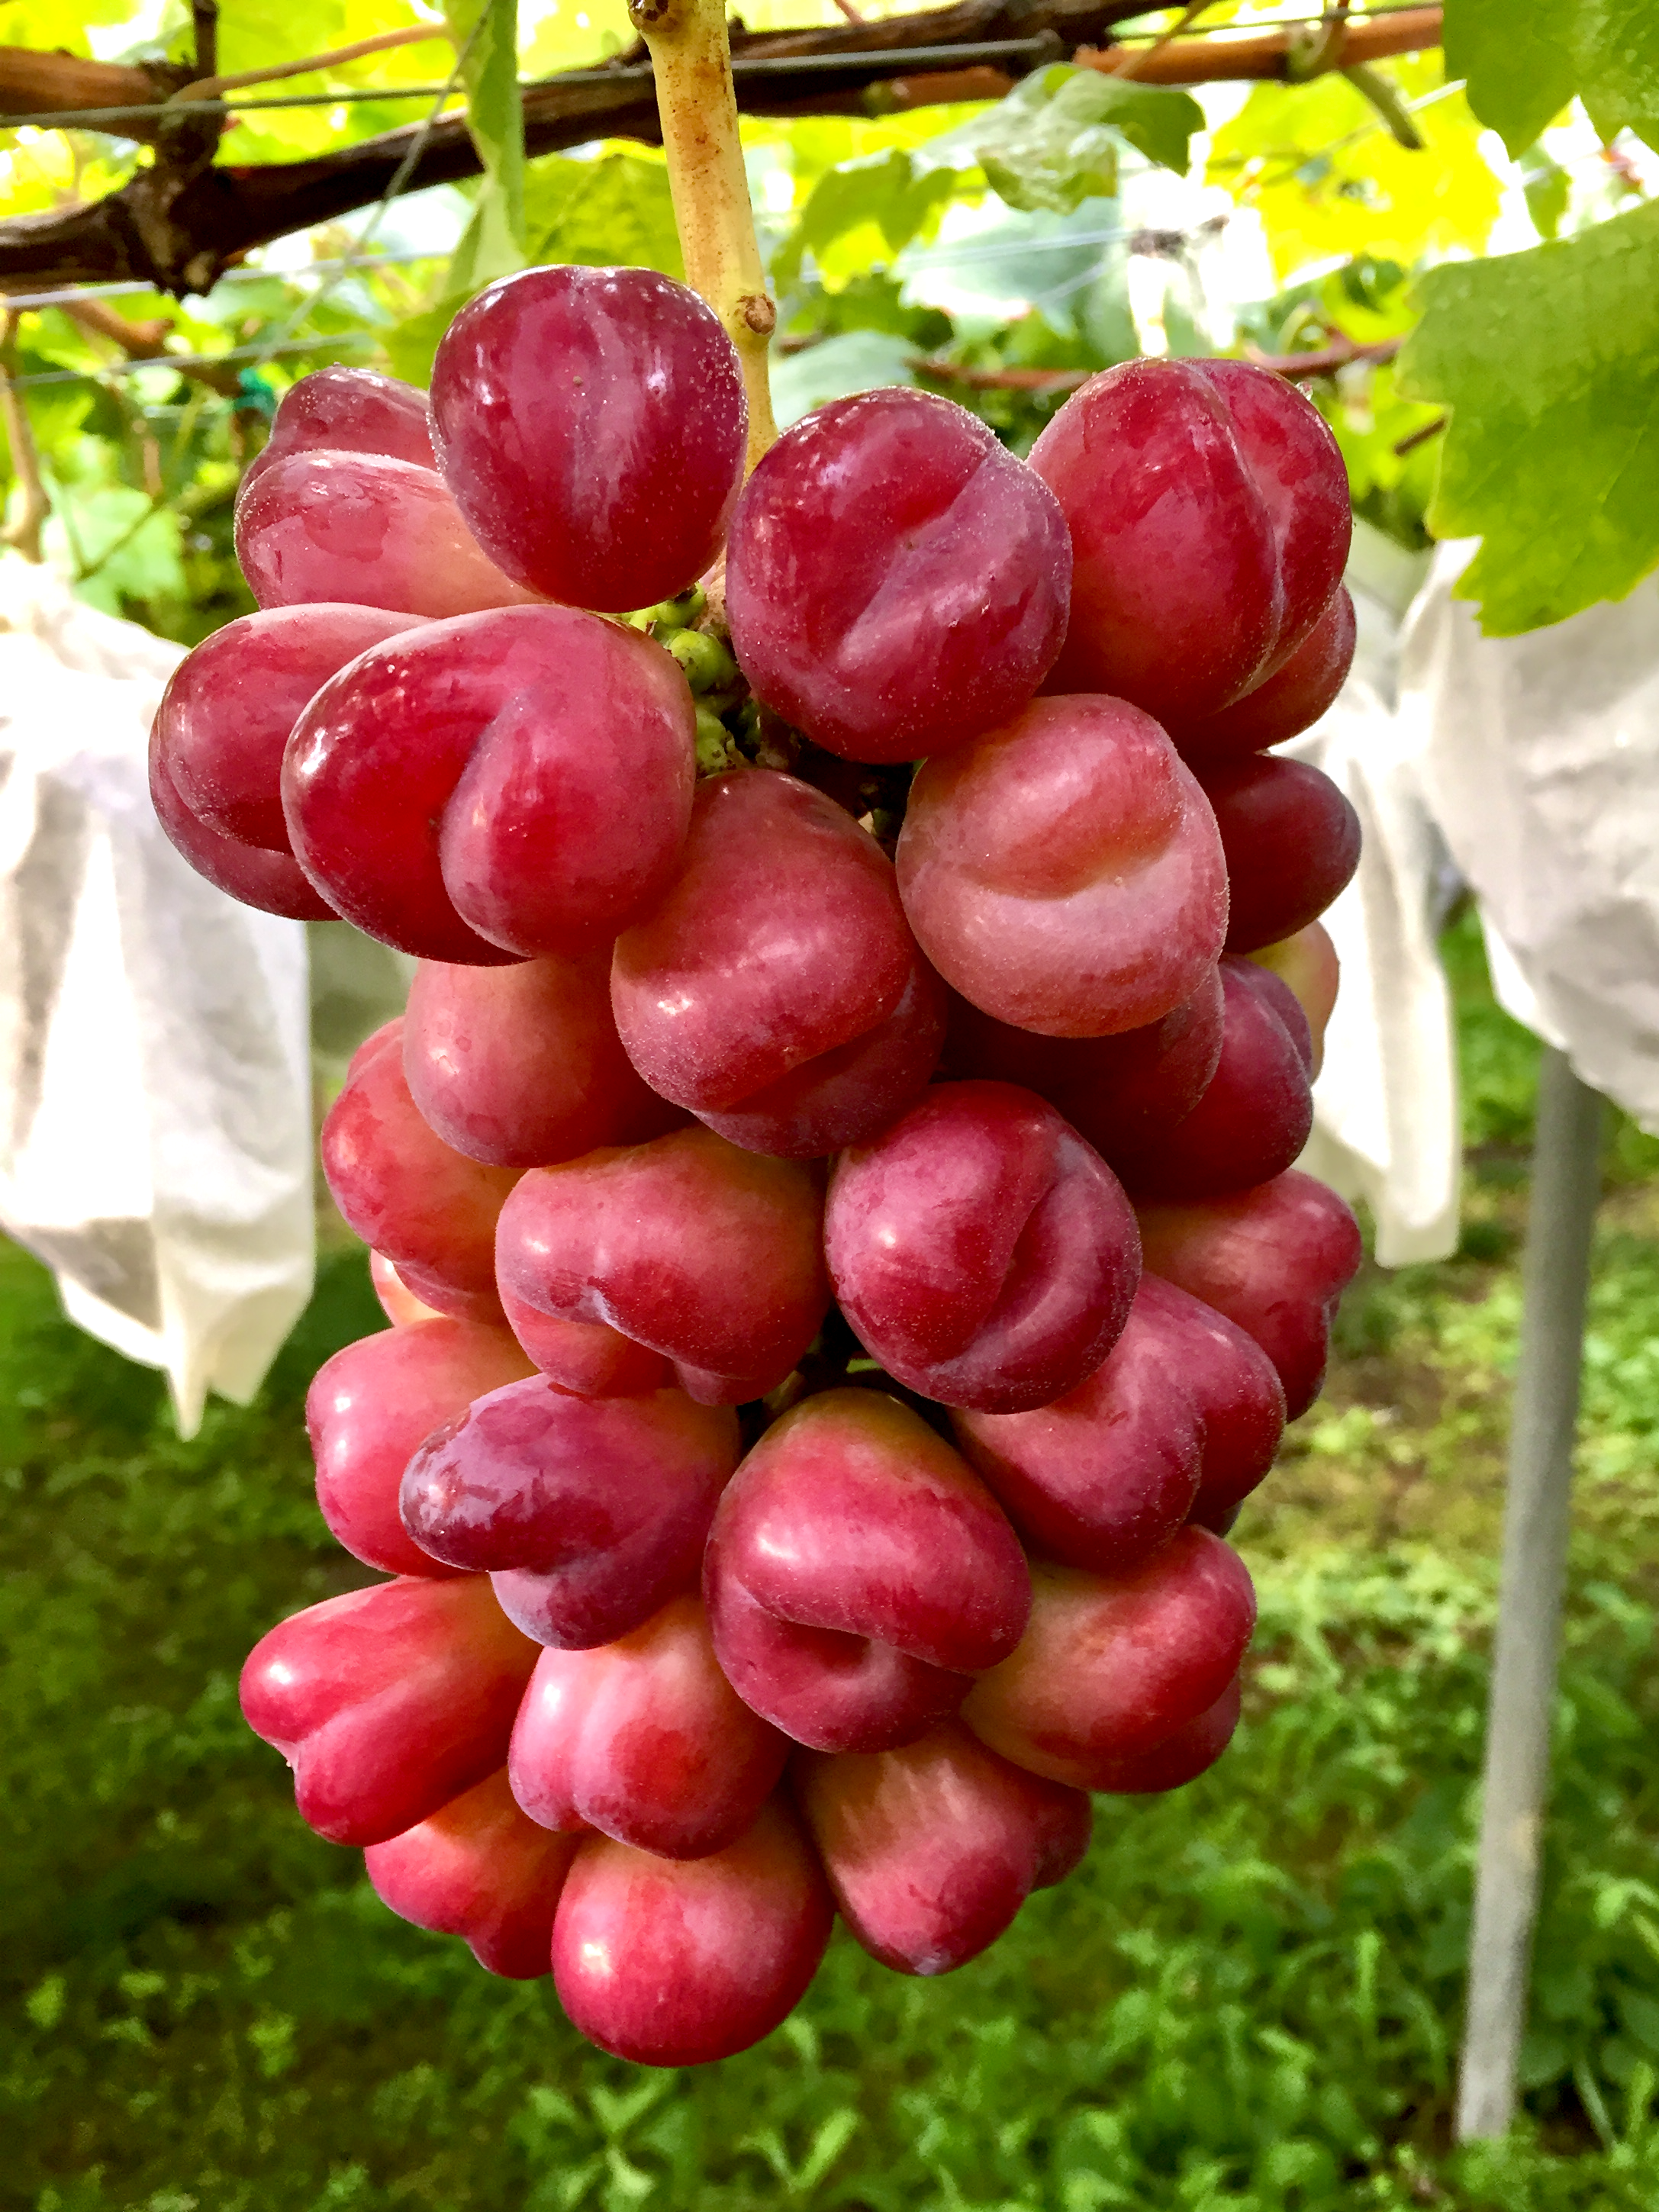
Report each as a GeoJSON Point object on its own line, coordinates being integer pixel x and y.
{"type": "Point", "coordinates": [857, 361]}
{"type": "Point", "coordinates": [1054, 141]}
{"type": "Point", "coordinates": [886, 190]}
{"type": "Point", "coordinates": [1525, 59]}
{"type": "Point", "coordinates": [1545, 359]}
{"type": "Point", "coordinates": [614, 212]}
{"type": "Point", "coordinates": [1548, 188]}
{"type": "Point", "coordinates": [492, 244]}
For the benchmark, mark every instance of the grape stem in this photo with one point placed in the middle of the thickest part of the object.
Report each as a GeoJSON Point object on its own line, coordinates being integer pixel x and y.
{"type": "Point", "coordinates": [698, 109]}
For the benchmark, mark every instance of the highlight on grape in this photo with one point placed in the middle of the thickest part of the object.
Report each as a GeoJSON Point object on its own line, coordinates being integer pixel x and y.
{"type": "Point", "coordinates": [833, 1189]}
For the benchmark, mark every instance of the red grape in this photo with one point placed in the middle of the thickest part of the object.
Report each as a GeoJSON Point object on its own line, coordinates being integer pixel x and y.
{"type": "Point", "coordinates": [1209, 514]}
{"type": "Point", "coordinates": [522, 1065]}
{"type": "Point", "coordinates": [347, 410]}
{"type": "Point", "coordinates": [373, 1403]}
{"type": "Point", "coordinates": [407, 1193]}
{"type": "Point", "coordinates": [675, 1962]}
{"type": "Point", "coordinates": [1283, 704]}
{"type": "Point", "coordinates": [776, 989]}
{"type": "Point", "coordinates": [590, 1357]}
{"type": "Point", "coordinates": [511, 782]}
{"type": "Point", "coordinates": [1064, 874]}
{"type": "Point", "coordinates": [479, 1869]}
{"type": "Point", "coordinates": [1181, 1758]}
{"type": "Point", "coordinates": [1182, 1418]}
{"type": "Point", "coordinates": [897, 580]}
{"type": "Point", "coordinates": [275, 883]}
{"type": "Point", "coordinates": [932, 1848]}
{"type": "Point", "coordinates": [858, 1574]}
{"type": "Point", "coordinates": [1275, 1259]}
{"type": "Point", "coordinates": [397, 1302]}
{"type": "Point", "coordinates": [706, 1253]}
{"type": "Point", "coordinates": [1308, 963]}
{"type": "Point", "coordinates": [1111, 1667]}
{"type": "Point", "coordinates": [590, 1512]}
{"type": "Point", "coordinates": [592, 424]}
{"type": "Point", "coordinates": [645, 1740]}
{"type": "Point", "coordinates": [981, 1251]}
{"type": "Point", "coordinates": [1291, 842]}
{"type": "Point", "coordinates": [1257, 1111]}
{"type": "Point", "coordinates": [388, 1702]}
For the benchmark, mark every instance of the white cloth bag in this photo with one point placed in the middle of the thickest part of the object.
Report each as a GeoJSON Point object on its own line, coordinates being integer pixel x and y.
{"type": "Point", "coordinates": [154, 1067]}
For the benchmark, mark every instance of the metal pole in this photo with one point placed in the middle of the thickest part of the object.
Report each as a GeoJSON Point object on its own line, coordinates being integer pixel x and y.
{"type": "Point", "coordinates": [1565, 1183]}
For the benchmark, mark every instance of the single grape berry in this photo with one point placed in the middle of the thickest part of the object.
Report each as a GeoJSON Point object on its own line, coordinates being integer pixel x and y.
{"type": "Point", "coordinates": [897, 580]}
{"type": "Point", "coordinates": [592, 425]}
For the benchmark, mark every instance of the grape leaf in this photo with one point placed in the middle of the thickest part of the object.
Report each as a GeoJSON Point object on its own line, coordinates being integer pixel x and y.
{"type": "Point", "coordinates": [1524, 60]}
{"type": "Point", "coordinates": [492, 244]}
{"type": "Point", "coordinates": [1545, 358]}
{"type": "Point", "coordinates": [884, 190]}
{"type": "Point", "coordinates": [1054, 141]}
{"type": "Point", "coordinates": [857, 361]}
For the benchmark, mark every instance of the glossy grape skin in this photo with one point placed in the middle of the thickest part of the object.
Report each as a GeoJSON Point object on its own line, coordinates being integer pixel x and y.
{"type": "Point", "coordinates": [858, 1574]}
{"type": "Point", "coordinates": [590, 1357]}
{"type": "Point", "coordinates": [1257, 1111]}
{"type": "Point", "coordinates": [1113, 1091]}
{"type": "Point", "coordinates": [479, 1869]}
{"type": "Point", "coordinates": [700, 1251]}
{"type": "Point", "coordinates": [388, 1702]}
{"type": "Point", "coordinates": [1064, 874]}
{"type": "Point", "coordinates": [372, 1404]}
{"type": "Point", "coordinates": [775, 989]}
{"type": "Point", "coordinates": [1111, 1667]}
{"type": "Point", "coordinates": [1291, 840]}
{"type": "Point", "coordinates": [511, 782]}
{"type": "Point", "coordinates": [347, 410]}
{"type": "Point", "coordinates": [676, 1962]}
{"type": "Point", "coordinates": [646, 1740]}
{"type": "Point", "coordinates": [592, 425]}
{"type": "Point", "coordinates": [1182, 1418]}
{"type": "Point", "coordinates": [981, 1251]}
{"type": "Point", "coordinates": [367, 529]}
{"type": "Point", "coordinates": [591, 1513]}
{"type": "Point", "coordinates": [397, 1302]}
{"type": "Point", "coordinates": [931, 1850]}
{"type": "Point", "coordinates": [1308, 963]}
{"type": "Point", "coordinates": [1283, 704]}
{"type": "Point", "coordinates": [225, 716]}
{"type": "Point", "coordinates": [519, 1067]}
{"type": "Point", "coordinates": [897, 580]}
{"type": "Point", "coordinates": [1274, 1259]}
{"type": "Point", "coordinates": [408, 1194]}
{"type": "Point", "coordinates": [274, 883]}
{"type": "Point", "coordinates": [1181, 1758]}
{"type": "Point", "coordinates": [1208, 509]}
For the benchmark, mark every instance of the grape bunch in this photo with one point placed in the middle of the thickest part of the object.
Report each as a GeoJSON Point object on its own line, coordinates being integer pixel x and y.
{"type": "Point", "coordinates": [832, 1186]}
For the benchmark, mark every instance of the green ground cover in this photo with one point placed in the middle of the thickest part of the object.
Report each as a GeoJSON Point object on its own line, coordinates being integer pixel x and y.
{"type": "Point", "coordinates": [1247, 1999]}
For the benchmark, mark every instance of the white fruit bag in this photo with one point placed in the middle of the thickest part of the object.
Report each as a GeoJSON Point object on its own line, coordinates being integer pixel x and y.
{"type": "Point", "coordinates": [154, 1071]}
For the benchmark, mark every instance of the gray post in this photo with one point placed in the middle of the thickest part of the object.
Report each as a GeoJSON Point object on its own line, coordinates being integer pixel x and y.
{"type": "Point", "coordinates": [1565, 1182]}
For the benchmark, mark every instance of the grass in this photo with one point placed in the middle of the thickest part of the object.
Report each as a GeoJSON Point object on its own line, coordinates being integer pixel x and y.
{"type": "Point", "coordinates": [1247, 1999]}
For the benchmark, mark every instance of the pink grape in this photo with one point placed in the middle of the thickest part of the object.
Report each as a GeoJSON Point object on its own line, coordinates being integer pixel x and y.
{"type": "Point", "coordinates": [408, 1195]}
{"type": "Point", "coordinates": [982, 1252]}
{"type": "Point", "coordinates": [521, 1066]}
{"type": "Point", "coordinates": [1116, 1091]}
{"type": "Point", "coordinates": [931, 1850]}
{"type": "Point", "coordinates": [704, 1253]}
{"type": "Point", "coordinates": [1209, 512]}
{"type": "Point", "coordinates": [1257, 1111]}
{"type": "Point", "coordinates": [518, 781]}
{"type": "Point", "coordinates": [1111, 1667]}
{"type": "Point", "coordinates": [858, 1574]}
{"type": "Point", "coordinates": [592, 424]}
{"type": "Point", "coordinates": [1181, 1758]}
{"type": "Point", "coordinates": [275, 883]}
{"type": "Point", "coordinates": [1284, 704]}
{"type": "Point", "coordinates": [372, 1404]}
{"type": "Point", "coordinates": [362, 527]}
{"type": "Point", "coordinates": [479, 1869]}
{"type": "Point", "coordinates": [1274, 1259]}
{"type": "Point", "coordinates": [1308, 963]}
{"type": "Point", "coordinates": [1064, 874]}
{"type": "Point", "coordinates": [1182, 1419]}
{"type": "Point", "coordinates": [896, 581]}
{"type": "Point", "coordinates": [775, 989]}
{"type": "Point", "coordinates": [347, 410]}
{"type": "Point", "coordinates": [591, 1513]}
{"type": "Point", "coordinates": [1292, 844]}
{"type": "Point", "coordinates": [225, 716]}
{"type": "Point", "coordinates": [590, 1357]}
{"type": "Point", "coordinates": [645, 1740]}
{"type": "Point", "coordinates": [397, 1302]}
{"type": "Point", "coordinates": [388, 1702]}
{"type": "Point", "coordinates": [676, 1962]}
